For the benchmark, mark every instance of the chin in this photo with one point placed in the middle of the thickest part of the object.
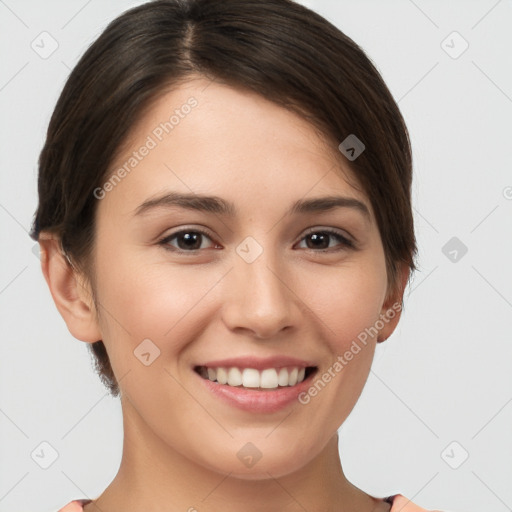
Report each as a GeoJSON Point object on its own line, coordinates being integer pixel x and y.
{"type": "Point", "coordinates": [267, 466]}
{"type": "Point", "coordinates": [261, 472]}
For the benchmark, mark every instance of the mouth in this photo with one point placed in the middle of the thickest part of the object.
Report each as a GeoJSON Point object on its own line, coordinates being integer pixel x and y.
{"type": "Point", "coordinates": [257, 385]}
{"type": "Point", "coordinates": [266, 379]}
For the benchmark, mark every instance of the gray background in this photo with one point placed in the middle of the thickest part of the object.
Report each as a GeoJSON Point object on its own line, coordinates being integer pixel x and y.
{"type": "Point", "coordinates": [440, 388]}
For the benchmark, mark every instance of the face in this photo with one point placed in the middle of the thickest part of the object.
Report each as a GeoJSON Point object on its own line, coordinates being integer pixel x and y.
{"type": "Point", "coordinates": [245, 282]}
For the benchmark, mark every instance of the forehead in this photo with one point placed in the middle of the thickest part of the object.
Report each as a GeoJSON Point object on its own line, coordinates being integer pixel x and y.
{"type": "Point", "coordinates": [207, 137]}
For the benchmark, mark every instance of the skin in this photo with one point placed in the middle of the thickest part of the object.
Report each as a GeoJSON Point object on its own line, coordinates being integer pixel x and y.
{"type": "Point", "coordinates": [180, 442]}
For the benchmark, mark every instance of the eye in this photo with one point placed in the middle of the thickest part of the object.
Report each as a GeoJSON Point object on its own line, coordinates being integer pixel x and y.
{"type": "Point", "coordinates": [191, 240]}
{"type": "Point", "coordinates": [320, 240]}
{"type": "Point", "coordinates": [188, 240]}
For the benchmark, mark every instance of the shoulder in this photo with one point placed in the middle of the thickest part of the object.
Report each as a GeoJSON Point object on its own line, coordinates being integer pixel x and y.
{"type": "Point", "coordinates": [74, 506]}
{"type": "Point", "coordinates": [400, 503]}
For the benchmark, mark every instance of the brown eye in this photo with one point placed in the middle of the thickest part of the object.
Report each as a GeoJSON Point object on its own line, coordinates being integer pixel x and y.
{"type": "Point", "coordinates": [320, 240]}
{"type": "Point", "coordinates": [188, 240]}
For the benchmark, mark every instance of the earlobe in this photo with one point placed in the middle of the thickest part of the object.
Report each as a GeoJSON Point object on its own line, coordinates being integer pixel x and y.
{"type": "Point", "coordinates": [72, 298]}
{"type": "Point", "coordinates": [392, 308]}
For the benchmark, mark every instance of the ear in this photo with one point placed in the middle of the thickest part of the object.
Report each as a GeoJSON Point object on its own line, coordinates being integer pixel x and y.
{"type": "Point", "coordinates": [69, 289]}
{"type": "Point", "coordinates": [392, 307]}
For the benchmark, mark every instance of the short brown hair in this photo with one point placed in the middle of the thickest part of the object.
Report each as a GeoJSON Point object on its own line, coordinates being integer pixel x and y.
{"type": "Point", "coordinates": [276, 48]}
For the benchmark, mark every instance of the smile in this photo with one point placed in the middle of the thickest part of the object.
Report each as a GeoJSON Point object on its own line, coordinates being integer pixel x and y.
{"type": "Point", "coordinates": [251, 378]}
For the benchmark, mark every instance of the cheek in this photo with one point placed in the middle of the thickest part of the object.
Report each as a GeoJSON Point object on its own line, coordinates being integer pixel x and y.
{"type": "Point", "coordinates": [347, 303]}
{"type": "Point", "coordinates": [347, 300]}
{"type": "Point", "coordinates": [159, 302]}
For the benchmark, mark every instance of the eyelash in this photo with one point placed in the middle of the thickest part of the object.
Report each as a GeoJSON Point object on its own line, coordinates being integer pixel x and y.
{"type": "Point", "coordinates": [345, 242]}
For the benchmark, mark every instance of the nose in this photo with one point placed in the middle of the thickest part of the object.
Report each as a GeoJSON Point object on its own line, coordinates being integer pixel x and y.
{"type": "Point", "coordinates": [259, 298]}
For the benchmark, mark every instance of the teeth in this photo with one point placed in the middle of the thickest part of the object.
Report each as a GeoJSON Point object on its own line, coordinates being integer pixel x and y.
{"type": "Point", "coordinates": [234, 377]}
{"type": "Point", "coordinates": [270, 378]}
{"type": "Point", "coordinates": [292, 378]}
{"type": "Point", "coordinates": [282, 378]}
{"type": "Point", "coordinates": [222, 376]}
{"type": "Point", "coordinates": [251, 378]}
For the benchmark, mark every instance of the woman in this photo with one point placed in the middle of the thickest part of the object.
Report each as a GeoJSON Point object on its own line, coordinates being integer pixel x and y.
{"type": "Point", "coordinates": [225, 218]}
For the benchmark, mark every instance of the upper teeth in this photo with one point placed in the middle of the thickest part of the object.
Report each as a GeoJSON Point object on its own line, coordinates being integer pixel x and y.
{"type": "Point", "coordinates": [252, 378]}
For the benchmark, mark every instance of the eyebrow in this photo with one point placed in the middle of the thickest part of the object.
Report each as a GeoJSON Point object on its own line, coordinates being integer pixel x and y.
{"type": "Point", "coordinates": [218, 205]}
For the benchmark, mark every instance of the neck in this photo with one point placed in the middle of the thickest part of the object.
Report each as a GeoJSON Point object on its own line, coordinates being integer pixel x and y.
{"type": "Point", "coordinates": [153, 476]}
